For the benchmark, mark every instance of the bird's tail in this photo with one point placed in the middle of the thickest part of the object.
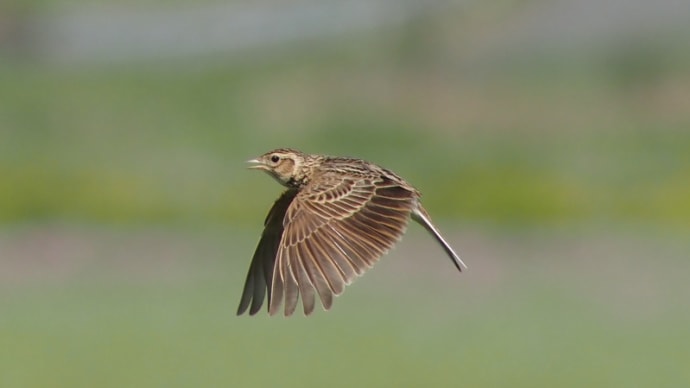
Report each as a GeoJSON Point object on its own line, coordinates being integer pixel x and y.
{"type": "Point", "coordinates": [421, 216]}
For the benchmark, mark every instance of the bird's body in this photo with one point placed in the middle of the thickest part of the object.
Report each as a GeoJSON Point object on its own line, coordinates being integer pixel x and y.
{"type": "Point", "coordinates": [335, 220]}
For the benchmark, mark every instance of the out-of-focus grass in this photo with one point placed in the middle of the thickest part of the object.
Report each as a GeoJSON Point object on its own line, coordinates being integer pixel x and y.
{"type": "Point", "coordinates": [119, 145]}
{"type": "Point", "coordinates": [518, 318]}
{"type": "Point", "coordinates": [53, 5]}
{"type": "Point", "coordinates": [513, 142]}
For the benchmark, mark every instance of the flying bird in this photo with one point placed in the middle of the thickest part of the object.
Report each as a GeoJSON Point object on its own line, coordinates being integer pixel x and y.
{"type": "Point", "coordinates": [337, 217]}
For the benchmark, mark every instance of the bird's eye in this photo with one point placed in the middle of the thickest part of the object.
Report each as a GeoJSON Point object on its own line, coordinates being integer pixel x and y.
{"type": "Point", "coordinates": [275, 158]}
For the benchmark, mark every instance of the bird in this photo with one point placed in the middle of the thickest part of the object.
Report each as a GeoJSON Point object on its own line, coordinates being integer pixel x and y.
{"type": "Point", "coordinates": [338, 216]}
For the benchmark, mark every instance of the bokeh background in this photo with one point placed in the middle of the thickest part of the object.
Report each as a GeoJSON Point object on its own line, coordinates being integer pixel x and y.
{"type": "Point", "coordinates": [550, 139]}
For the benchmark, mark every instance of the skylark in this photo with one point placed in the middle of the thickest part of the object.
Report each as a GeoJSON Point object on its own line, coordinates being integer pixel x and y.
{"type": "Point", "coordinates": [335, 220]}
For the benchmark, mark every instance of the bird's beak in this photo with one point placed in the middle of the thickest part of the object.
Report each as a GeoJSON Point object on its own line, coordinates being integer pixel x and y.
{"type": "Point", "coordinates": [256, 164]}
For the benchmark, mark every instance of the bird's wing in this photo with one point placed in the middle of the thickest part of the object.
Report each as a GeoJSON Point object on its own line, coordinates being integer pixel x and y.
{"type": "Point", "coordinates": [334, 230]}
{"type": "Point", "coordinates": [260, 272]}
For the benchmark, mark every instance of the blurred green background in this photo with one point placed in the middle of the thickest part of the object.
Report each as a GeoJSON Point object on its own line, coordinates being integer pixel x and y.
{"type": "Point", "coordinates": [550, 139]}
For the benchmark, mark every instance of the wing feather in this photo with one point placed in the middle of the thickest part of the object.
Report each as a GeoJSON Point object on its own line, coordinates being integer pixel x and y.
{"type": "Point", "coordinates": [306, 287]}
{"type": "Point", "coordinates": [291, 287]}
{"type": "Point", "coordinates": [319, 238]}
{"type": "Point", "coordinates": [333, 232]}
{"type": "Point", "coordinates": [317, 275]}
{"type": "Point", "coordinates": [260, 274]}
{"type": "Point", "coordinates": [347, 250]}
{"type": "Point", "coordinates": [331, 250]}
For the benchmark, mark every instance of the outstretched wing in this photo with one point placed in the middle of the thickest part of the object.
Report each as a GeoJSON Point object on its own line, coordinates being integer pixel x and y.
{"type": "Point", "coordinates": [334, 230]}
{"type": "Point", "coordinates": [260, 273]}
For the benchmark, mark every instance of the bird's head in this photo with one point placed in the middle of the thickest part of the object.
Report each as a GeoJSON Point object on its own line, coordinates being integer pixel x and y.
{"type": "Point", "coordinates": [283, 164]}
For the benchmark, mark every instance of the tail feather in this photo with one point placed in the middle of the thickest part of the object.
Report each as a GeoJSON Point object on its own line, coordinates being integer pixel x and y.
{"type": "Point", "coordinates": [421, 216]}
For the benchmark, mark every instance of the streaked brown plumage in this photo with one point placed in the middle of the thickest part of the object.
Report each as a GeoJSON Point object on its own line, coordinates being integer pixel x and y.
{"type": "Point", "coordinates": [335, 220]}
